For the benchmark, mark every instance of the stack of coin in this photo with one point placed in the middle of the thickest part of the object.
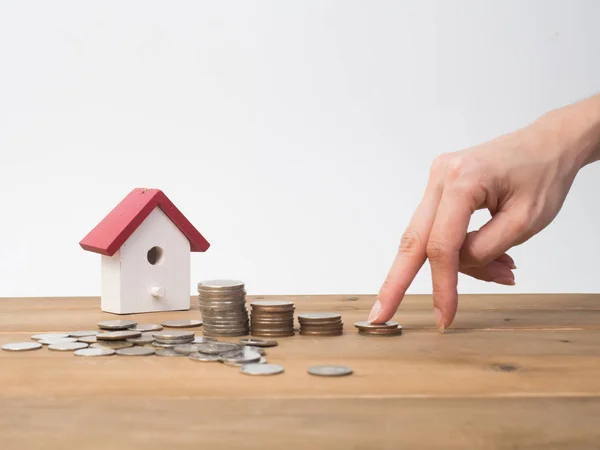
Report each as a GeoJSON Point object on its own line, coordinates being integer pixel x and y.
{"type": "Point", "coordinates": [222, 304]}
{"type": "Point", "coordinates": [272, 318]}
{"type": "Point", "coordinates": [172, 338]}
{"type": "Point", "coordinates": [385, 329]}
{"type": "Point", "coordinates": [321, 324]}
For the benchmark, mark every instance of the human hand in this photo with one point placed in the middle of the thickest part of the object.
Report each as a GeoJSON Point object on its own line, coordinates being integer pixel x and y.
{"type": "Point", "coordinates": [522, 178]}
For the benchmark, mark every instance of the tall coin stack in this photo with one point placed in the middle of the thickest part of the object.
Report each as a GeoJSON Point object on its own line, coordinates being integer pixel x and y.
{"type": "Point", "coordinates": [222, 304]}
{"type": "Point", "coordinates": [321, 324]}
{"type": "Point", "coordinates": [272, 318]}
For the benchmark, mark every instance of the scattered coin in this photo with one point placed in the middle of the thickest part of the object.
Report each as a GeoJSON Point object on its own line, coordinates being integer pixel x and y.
{"type": "Point", "coordinates": [111, 344]}
{"type": "Point", "coordinates": [116, 324]}
{"type": "Point", "coordinates": [181, 323]}
{"type": "Point", "coordinates": [52, 341]}
{"type": "Point", "coordinates": [78, 334]}
{"type": "Point", "coordinates": [203, 357]}
{"type": "Point", "coordinates": [117, 335]}
{"type": "Point", "coordinates": [67, 346]}
{"type": "Point", "coordinates": [186, 349]}
{"type": "Point", "coordinates": [261, 351]}
{"type": "Point", "coordinates": [329, 371]}
{"type": "Point", "coordinates": [203, 339]}
{"type": "Point", "coordinates": [136, 351]}
{"type": "Point", "coordinates": [39, 337]}
{"type": "Point", "coordinates": [216, 348]}
{"type": "Point", "coordinates": [94, 352]}
{"type": "Point", "coordinates": [141, 340]}
{"type": "Point", "coordinates": [170, 335]}
{"type": "Point", "coordinates": [261, 369]}
{"type": "Point", "coordinates": [21, 346]}
{"type": "Point", "coordinates": [88, 339]}
{"type": "Point", "coordinates": [240, 356]}
{"type": "Point", "coordinates": [167, 352]}
{"type": "Point", "coordinates": [161, 345]}
{"type": "Point", "coordinates": [258, 342]}
{"type": "Point", "coordinates": [144, 327]}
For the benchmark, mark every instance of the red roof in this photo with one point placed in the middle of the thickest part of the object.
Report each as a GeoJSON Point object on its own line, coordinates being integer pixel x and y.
{"type": "Point", "coordinates": [108, 236]}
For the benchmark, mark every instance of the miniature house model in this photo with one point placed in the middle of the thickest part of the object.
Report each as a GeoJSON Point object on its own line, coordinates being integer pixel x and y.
{"type": "Point", "coordinates": [145, 243]}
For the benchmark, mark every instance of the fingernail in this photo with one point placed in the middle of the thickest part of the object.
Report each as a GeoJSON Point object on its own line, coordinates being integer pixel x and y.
{"type": "Point", "coordinates": [439, 320]}
{"type": "Point", "coordinates": [505, 281]}
{"type": "Point", "coordinates": [375, 311]}
{"type": "Point", "coordinates": [512, 266]}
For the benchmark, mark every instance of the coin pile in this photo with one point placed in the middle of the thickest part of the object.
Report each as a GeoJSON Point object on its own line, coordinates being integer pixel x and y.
{"type": "Point", "coordinates": [272, 318]}
{"type": "Point", "coordinates": [222, 304]}
{"type": "Point", "coordinates": [321, 324]}
{"type": "Point", "coordinates": [385, 329]}
{"type": "Point", "coordinates": [172, 338]}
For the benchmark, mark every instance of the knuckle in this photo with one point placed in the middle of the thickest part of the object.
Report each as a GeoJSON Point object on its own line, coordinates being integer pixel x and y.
{"type": "Point", "coordinates": [437, 251]}
{"type": "Point", "coordinates": [410, 242]}
{"type": "Point", "coordinates": [438, 166]}
{"type": "Point", "coordinates": [458, 169]}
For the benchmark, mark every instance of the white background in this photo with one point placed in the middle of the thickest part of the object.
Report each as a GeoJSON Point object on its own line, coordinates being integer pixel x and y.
{"type": "Point", "coordinates": [295, 135]}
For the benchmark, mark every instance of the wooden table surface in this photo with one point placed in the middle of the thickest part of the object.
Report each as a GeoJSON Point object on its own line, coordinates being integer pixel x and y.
{"type": "Point", "coordinates": [518, 371]}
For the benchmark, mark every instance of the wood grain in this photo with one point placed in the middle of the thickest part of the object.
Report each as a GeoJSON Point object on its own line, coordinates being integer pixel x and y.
{"type": "Point", "coordinates": [532, 381]}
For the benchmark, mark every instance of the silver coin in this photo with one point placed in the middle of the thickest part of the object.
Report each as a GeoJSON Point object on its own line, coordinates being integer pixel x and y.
{"type": "Point", "coordinates": [88, 339]}
{"type": "Point", "coordinates": [181, 323]}
{"type": "Point", "coordinates": [262, 360]}
{"type": "Point", "coordinates": [203, 339]}
{"type": "Point", "coordinates": [136, 351]}
{"type": "Point", "coordinates": [117, 335]}
{"type": "Point", "coordinates": [112, 344]}
{"type": "Point", "coordinates": [186, 349]}
{"type": "Point", "coordinates": [330, 371]}
{"type": "Point", "coordinates": [161, 345]}
{"type": "Point", "coordinates": [78, 334]}
{"type": "Point", "coordinates": [52, 341]}
{"type": "Point", "coordinates": [215, 348]}
{"type": "Point", "coordinates": [203, 357]}
{"type": "Point", "coordinates": [172, 342]}
{"type": "Point", "coordinates": [67, 346]}
{"type": "Point", "coordinates": [141, 340]}
{"type": "Point", "coordinates": [168, 352]}
{"type": "Point", "coordinates": [261, 369]}
{"type": "Point", "coordinates": [116, 324]}
{"type": "Point", "coordinates": [174, 334]}
{"type": "Point", "coordinates": [370, 326]}
{"type": "Point", "coordinates": [94, 352]}
{"type": "Point", "coordinates": [39, 337]}
{"type": "Point", "coordinates": [316, 316]}
{"type": "Point", "coordinates": [261, 351]}
{"type": "Point", "coordinates": [220, 284]}
{"type": "Point", "coordinates": [227, 333]}
{"type": "Point", "coordinates": [240, 356]}
{"type": "Point", "coordinates": [272, 303]}
{"type": "Point", "coordinates": [258, 342]}
{"type": "Point", "coordinates": [145, 327]}
{"type": "Point", "coordinates": [21, 346]}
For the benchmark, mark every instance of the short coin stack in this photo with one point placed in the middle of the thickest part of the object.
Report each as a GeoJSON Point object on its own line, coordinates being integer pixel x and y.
{"type": "Point", "coordinates": [222, 304]}
{"type": "Point", "coordinates": [321, 324]}
{"type": "Point", "coordinates": [172, 338]}
{"type": "Point", "coordinates": [385, 329]}
{"type": "Point", "coordinates": [272, 318]}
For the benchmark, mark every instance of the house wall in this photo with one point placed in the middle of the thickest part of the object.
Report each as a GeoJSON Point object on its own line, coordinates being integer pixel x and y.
{"type": "Point", "coordinates": [138, 276]}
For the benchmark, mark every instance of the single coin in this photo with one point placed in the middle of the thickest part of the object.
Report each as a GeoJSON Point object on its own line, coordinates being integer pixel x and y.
{"type": "Point", "coordinates": [167, 352]}
{"type": "Point", "coordinates": [39, 337]}
{"type": "Point", "coordinates": [141, 340]}
{"type": "Point", "coordinates": [261, 369]}
{"type": "Point", "coordinates": [173, 341]}
{"type": "Point", "coordinates": [330, 371]}
{"type": "Point", "coordinates": [319, 316]}
{"type": "Point", "coordinates": [116, 324]}
{"type": "Point", "coordinates": [94, 352]}
{"type": "Point", "coordinates": [215, 348]}
{"type": "Point", "coordinates": [145, 327]}
{"type": "Point", "coordinates": [117, 335]}
{"type": "Point", "coordinates": [203, 357]}
{"type": "Point", "coordinates": [136, 351]}
{"type": "Point", "coordinates": [272, 303]}
{"type": "Point", "coordinates": [186, 349]}
{"type": "Point", "coordinates": [78, 334]}
{"type": "Point", "coordinates": [181, 323]}
{"type": "Point", "coordinates": [240, 356]}
{"type": "Point", "coordinates": [52, 341]}
{"type": "Point", "coordinates": [88, 339]}
{"type": "Point", "coordinates": [369, 326]}
{"type": "Point", "coordinates": [261, 351]}
{"type": "Point", "coordinates": [21, 346]}
{"type": "Point", "coordinates": [161, 345]}
{"type": "Point", "coordinates": [67, 346]}
{"type": "Point", "coordinates": [258, 342]}
{"type": "Point", "coordinates": [174, 334]}
{"type": "Point", "coordinates": [203, 339]}
{"type": "Point", "coordinates": [111, 344]}
{"type": "Point", "coordinates": [220, 284]}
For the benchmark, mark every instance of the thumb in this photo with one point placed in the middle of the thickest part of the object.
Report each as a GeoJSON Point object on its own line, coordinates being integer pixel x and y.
{"type": "Point", "coordinates": [505, 230]}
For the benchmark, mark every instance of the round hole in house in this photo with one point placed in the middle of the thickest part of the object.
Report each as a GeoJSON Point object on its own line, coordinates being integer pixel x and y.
{"type": "Point", "coordinates": [155, 255]}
